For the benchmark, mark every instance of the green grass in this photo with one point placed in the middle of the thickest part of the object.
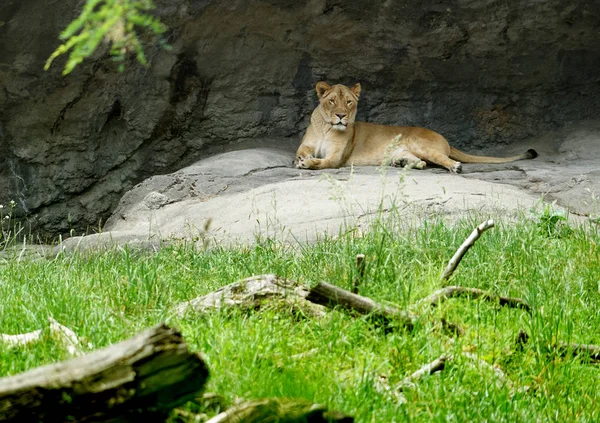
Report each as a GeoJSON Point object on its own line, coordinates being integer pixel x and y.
{"type": "Point", "coordinates": [109, 296]}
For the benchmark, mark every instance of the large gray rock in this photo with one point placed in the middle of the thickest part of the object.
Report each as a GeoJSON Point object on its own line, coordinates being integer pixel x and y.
{"type": "Point", "coordinates": [288, 205]}
{"type": "Point", "coordinates": [478, 71]}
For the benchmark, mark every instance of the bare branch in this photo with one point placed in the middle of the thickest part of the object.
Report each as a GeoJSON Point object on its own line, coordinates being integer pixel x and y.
{"type": "Point", "coordinates": [474, 293]}
{"type": "Point", "coordinates": [329, 295]}
{"type": "Point", "coordinates": [469, 242]}
{"type": "Point", "coordinates": [435, 366]}
{"type": "Point", "coordinates": [382, 386]}
{"type": "Point", "coordinates": [252, 293]}
{"type": "Point", "coordinates": [360, 269]}
{"type": "Point", "coordinates": [21, 339]}
{"type": "Point", "coordinates": [564, 348]}
{"type": "Point", "coordinates": [575, 350]}
{"type": "Point", "coordinates": [66, 335]}
{"type": "Point", "coordinates": [60, 332]}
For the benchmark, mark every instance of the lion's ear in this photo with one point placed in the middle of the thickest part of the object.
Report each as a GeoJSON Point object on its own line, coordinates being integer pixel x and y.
{"type": "Point", "coordinates": [356, 90]}
{"type": "Point", "coordinates": [322, 88]}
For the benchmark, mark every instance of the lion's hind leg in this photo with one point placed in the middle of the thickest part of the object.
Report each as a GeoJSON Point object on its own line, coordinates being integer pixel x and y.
{"type": "Point", "coordinates": [443, 160]}
{"type": "Point", "coordinates": [405, 159]}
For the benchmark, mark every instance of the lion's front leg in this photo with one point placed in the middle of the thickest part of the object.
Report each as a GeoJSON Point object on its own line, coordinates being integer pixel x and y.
{"type": "Point", "coordinates": [304, 153]}
{"type": "Point", "coordinates": [314, 163]}
{"type": "Point", "coordinates": [332, 161]}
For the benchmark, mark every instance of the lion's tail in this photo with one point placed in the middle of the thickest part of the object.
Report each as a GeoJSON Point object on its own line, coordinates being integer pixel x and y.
{"type": "Point", "coordinates": [468, 158]}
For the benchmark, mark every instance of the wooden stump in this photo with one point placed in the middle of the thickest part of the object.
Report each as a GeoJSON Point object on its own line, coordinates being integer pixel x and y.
{"type": "Point", "coordinates": [140, 379]}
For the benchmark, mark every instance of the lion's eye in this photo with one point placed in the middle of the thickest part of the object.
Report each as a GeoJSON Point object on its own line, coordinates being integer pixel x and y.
{"type": "Point", "coordinates": [349, 103]}
{"type": "Point", "coordinates": [332, 101]}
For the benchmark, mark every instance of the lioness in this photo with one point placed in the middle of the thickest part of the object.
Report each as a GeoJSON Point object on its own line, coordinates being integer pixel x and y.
{"type": "Point", "coordinates": [333, 139]}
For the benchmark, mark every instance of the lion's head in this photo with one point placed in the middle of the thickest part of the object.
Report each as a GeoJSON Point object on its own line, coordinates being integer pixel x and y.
{"type": "Point", "coordinates": [338, 104]}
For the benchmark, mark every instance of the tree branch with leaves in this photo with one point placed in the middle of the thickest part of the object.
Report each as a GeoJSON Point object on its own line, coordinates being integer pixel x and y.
{"type": "Point", "coordinates": [117, 22]}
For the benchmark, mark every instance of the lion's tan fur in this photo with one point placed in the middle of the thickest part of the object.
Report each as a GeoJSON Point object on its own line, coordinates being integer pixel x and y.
{"type": "Point", "coordinates": [334, 139]}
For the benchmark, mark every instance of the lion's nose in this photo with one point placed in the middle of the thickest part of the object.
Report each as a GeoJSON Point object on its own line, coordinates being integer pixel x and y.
{"type": "Point", "coordinates": [341, 115]}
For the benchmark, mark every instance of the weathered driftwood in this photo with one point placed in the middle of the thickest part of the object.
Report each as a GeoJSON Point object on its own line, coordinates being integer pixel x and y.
{"type": "Point", "coordinates": [58, 331]}
{"type": "Point", "coordinates": [331, 295]}
{"type": "Point", "coordinates": [254, 291]}
{"type": "Point", "coordinates": [460, 291]}
{"type": "Point", "coordinates": [436, 365]}
{"type": "Point", "coordinates": [469, 242]}
{"type": "Point", "coordinates": [280, 410]}
{"type": "Point", "coordinates": [144, 377]}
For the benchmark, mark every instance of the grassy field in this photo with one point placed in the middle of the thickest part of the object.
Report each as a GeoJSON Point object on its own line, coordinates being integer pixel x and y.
{"type": "Point", "coordinates": [106, 297]}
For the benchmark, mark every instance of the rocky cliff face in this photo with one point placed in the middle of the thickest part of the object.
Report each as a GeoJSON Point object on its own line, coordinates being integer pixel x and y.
{"type": "Point", "coordinates": [482, 72]}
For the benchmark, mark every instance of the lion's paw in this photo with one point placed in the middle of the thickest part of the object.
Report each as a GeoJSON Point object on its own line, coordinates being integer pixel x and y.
{"type": "Point", "coordinates": [420, 165]}
{"type": "Point", "coordinates": [410, 164]}
{"type": "Point", "coordinates": [401, 162]}
{"type": "Point", "coordinates": [303, 162]}
{"type": "Point", "coordinates": [456, 168]}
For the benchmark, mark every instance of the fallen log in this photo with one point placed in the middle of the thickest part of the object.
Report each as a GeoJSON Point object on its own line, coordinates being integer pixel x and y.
{"type": "Point", "coordinates": [252, 293]}
{"type": "Point", "coordinates": [330, 295]}
{"type": "Point", "coordinates": [142, 378]}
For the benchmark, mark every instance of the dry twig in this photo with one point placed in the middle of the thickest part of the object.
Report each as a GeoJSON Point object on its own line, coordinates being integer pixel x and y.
{"type": "Point", "coordinates": [360, 269]}
{"type": "Point", "coordinates": [435, 366]}
{"type": "Point", "coordinates": [575, 350]}
{"type": "Point", "coordinates": [469, 242]}
{"type": "Point", "coordinates": [330, 295]}
{"type": "Point", "coordinates": [459, 291]}
{"type": "Point", "coordinates": [60, 332]}
{"type": "Point", "coordinates": [21, 339]}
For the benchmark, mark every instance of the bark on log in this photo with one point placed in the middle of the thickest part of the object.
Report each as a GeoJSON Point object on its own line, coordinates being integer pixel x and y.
{"type": "Point", "coordinates": [144, 377]}
{"type": "Point", "coordinates": [565, 349]}
{"type": "Point", "coordinates": [253, 293]}
{"type": "Point", "coordinates": [329, 295]}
